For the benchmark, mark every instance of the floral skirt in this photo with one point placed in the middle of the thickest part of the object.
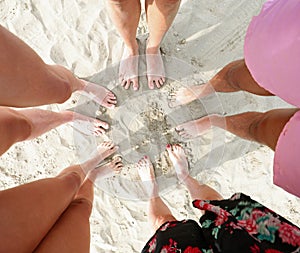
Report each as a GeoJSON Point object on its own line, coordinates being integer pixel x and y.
{"type": "Point", "coordinates": [235, 225]}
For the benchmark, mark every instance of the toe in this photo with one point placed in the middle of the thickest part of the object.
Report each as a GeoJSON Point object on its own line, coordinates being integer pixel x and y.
{"type": "Point", "coordinates": [185, 135]}
{"type": "Point", "coordinates": [127, 85]}
{"type": "Point", "coordinates": [102, 124]}
{"type": "Point", "coordinates": [112, 101]}
{"type": "Point", "coordinates": [123, 83]}
{"type": "Point", "coordinates": [179, 128]}
{"type": "Point", "coordinates": [151, 83]}
{"type": "Point", "coordinates": [99, 132]}
{"type": "Point", "coordinates": [111, 95]}
{"type": "Point", "coordinates": [161, 82]}
{"type": "Point", "coordinates": [156, 83]}
{"type": "Point", "coordinates": [135, 85]}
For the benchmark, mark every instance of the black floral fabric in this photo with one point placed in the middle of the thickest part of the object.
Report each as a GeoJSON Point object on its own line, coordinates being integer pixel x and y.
{"type": "Point", "coordinates": [235, 225]}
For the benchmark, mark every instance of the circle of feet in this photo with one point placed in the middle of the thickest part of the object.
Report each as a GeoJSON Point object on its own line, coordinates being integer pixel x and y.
{"type": "Point", "coordinates": [144, 123]}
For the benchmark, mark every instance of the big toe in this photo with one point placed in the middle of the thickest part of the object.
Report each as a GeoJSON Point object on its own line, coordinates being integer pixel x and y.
{"type": "Point", "coordinates": [135, 84]}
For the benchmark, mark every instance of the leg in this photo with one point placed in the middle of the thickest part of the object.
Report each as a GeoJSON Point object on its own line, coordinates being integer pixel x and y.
{"type": "Point", "coordinates": [125, 15]}
{"type": "Point", "coordinates": [160, 16]}
{"type": "Point", "coordinates": [27, 81]}
{"type": "Point", "coordinates": [232, 78]}
{"type": "Point", "coordinates": [264, 128]}
{"type": "Point", "coordinates": [32, 209]}
{"type": "Point", "coordinates": [28, 124]}
{"type": "Point", "coordinates": [159, 213]}
{"type": "Point", "coordinates": [43, 121]}
{"type": "Point", "coordinates": [14, 127]}
{"type": "Point", "coordinates": [71, 233]}
{"type": "Point", "coordinates": [195, 188]}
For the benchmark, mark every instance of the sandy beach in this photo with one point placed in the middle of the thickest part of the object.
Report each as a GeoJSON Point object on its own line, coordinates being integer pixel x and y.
{"type": "Point", "coordinates": [206, 35]}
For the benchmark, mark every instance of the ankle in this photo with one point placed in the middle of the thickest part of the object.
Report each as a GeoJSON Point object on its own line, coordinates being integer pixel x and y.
{"type": "Point", "coordinates": [132, 49]}
{"type": "Point", "coordinates": [217, 120]}
{"type": "Point", "coordinates": [152, 47]}
{"type": "Point", "coordinates": [182, 176]}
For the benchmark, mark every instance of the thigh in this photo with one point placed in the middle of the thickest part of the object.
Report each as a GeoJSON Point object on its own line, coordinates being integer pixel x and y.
{"type": "Point", "coordinates": [14, 127]}
{"type": "Point", "coordinates": [268, 128]}
{"type": "Point", "coordinates": [25, 80]}
{"type": "Point", "coordinates": [71, 232]}
{"type": "Point", "coordinates": [28, 212]}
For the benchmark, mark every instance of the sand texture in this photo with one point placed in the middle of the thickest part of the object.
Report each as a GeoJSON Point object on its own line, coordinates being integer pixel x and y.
{"type": "Point", "coordinates": [206, 35]}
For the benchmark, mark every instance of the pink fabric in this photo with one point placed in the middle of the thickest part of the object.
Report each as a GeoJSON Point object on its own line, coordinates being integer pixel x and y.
{"type": "Point", "coordinates": [272, 54]}
{"type": "Point", "coordinates": [287, 157]}
{"type": "Point", "coordinates": [272, 49]}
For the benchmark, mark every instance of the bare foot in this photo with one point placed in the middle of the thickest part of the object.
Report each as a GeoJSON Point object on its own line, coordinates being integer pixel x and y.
{"type": "Point", "coordinates": [179, 161]}
{"type": "Point", "coordinates": [88, 126]}
{"type": "Point", "coordinates": [104, 150]}
{"type": "Point", "coordinates": [155, 68]}
{"type": "Point", "coordinates": [194, 128]}
{"type": "Point", "coordinates": [99, 94]}
{"type": "Point", "coordinates": [146, 172]}
{"type": "Point", "coordinates": [185, 95]}
{"type": "Point", "coordinates": [107, 170]}
{"type": "Point", "coordinates": [129, 68]}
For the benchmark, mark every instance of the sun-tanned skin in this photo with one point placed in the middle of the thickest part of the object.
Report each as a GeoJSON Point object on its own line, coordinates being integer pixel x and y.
{"type": "Point", "coordinates": [158, 212]}
{"type": "Point", "coordinates": [264, 128]}
{"type": "Point", "coordinates": [25, 80]}
{"type": "Point", "coordinates": [125, 16]}
{"type": "Point", "coordinates": [53, 213]}
{"type": "Point", "coordinates": [26, 124]}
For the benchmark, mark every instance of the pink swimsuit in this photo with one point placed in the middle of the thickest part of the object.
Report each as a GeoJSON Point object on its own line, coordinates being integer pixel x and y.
{"type": "Point", "coordinates": [272, 54]}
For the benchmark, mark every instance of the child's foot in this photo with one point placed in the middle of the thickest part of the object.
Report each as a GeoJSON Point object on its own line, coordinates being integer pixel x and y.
{"type": "Point", "coordinates": [104, 150]}
{"type": "Point", "coordinates": [179, 161]}
{"type": "Point", "coordinates": [155, 67]}
{"type": "Point", "coordinates": [146, 172]}
{"type": "Point", "coordinates": [99, 94]}
{"type": "Point", "coordinates": [185, 95]}
{"type": "Point", "coordinates": [194, 128]}
{"type": "Point", "coordinates": [107, 170]}
{"type": "Point", "coordinates": [129, 68]}
{"type": "Point", "coordinates": [88, 126]}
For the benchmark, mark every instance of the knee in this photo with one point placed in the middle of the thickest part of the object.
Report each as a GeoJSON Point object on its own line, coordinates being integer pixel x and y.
{"type": "Point", "coordinates": [83, 205]}
{"type": "Point", "coordinates": [73, 178]}
{"type": "Point", "coordinates": [233, 69]}
{"type": "Point", "coordinates": [17, 126]}
{"type": "Point", "coordinates": [161, 219]}
{"type": "Point", "coordinates": [257, 127]}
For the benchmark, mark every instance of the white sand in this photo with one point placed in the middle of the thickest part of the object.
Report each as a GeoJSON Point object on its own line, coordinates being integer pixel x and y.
{"type": "Point", "coordinates": [207, 34]}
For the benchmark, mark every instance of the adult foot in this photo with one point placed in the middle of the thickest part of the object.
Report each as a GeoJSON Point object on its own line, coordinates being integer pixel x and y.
{"type": "Point", "coordinates": [194, 128]}
{"type": "Point", "coordinates": [185, 95]}
{"type": "Point", "coordinates": [129, 68]}
{"type": "Point", "coordinates": [179, 161]}
{"type": "Point", "coordinates": [155, 67]}
{"type": "Point", "coordinates": [99, 94]}
{"type": "Point", "coordinates": [87, 125]}
{"type": "Point", "coordinates": [104, 150]}
{"type": "Point", "coordinates": [107, 170]}
{"type": "Point", "coordinates": [146, 172]}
